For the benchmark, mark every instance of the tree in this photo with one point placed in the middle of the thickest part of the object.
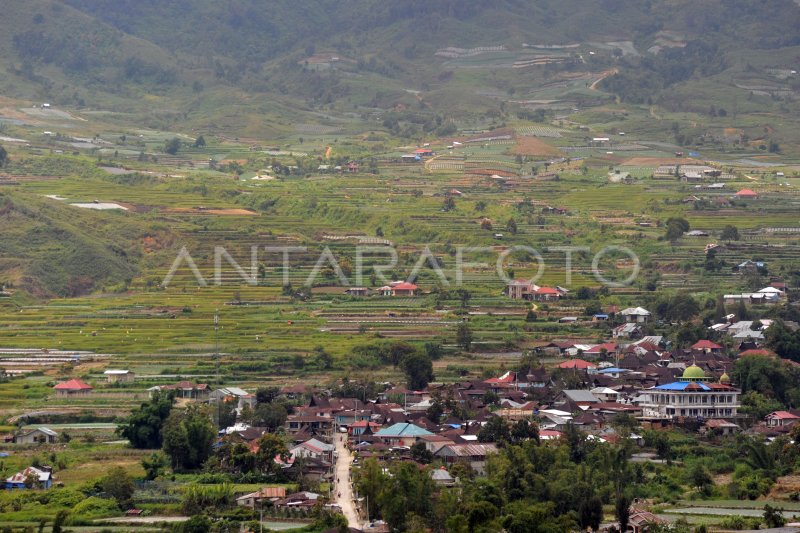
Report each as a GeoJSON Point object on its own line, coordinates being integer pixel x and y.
{"type": "Point", "coordinates": [188, 435]}
{"type": "Point", "coordinates": [622, 510]}
{"type": "Point", "coordinates": [199, 142]}
{"type": "Point", "coordinates": [421, 454]}
{"type": "Point", "coordinates": [408, 491]}
{"type": "Point", "coordinates": [154, 465]}
{"type": "Point", "coordinates": [524, 430]}
{"type": "Point", "coordinates": [785, 342]}
{"type": "Point", "coordinates": [729, 233]}
{"type": "Point", "coordinates": [742, 313]}
{"type": "Point", "coordinates": [323, 359]}
{"type": "Point", "coordinates": [719, 309]}
{"type": "Point", "coordinates": [680, 307]}
{"type": "Point", "coordinates": [592, 309]}
{"type": "Point", "coordinates": [270, 415]}
{"type": "Point", "coordinates": [699, 477]}
{"type": "Point", "coordinates": [3, 157]}
{"type": "Point", "coordinates": [370, 479]}
{"type": "Point", "coordinates": [418, 368]}
{"type": "Point", "coordinates": [270, 446]}
{"type": "Point", "coordinates": [590, 513]}
{"type": "Point", "coordinates": [143, 428]}
{"type": "Point", "coordinates": [773, 517]}
{"type": "Point", "coordinates": [676, 227]}
{"type": "Point", "coordinates": [58, 523]}
{"type": "Point", "coordinates": [267, 394]}
{"type": "Point", "coordinates": [196, 524]}
{"type": "Point", "coordinates": [172, 146]}
{"type": "Point", "coordinates": [511, 226]}
{"type": "Point", "coordinates": [464, 295]}
{"type": "Point", "coordinates": [496, 429]}
{"type": "Point", "coordinates": [119, 485]}
{"type": "Point", "coordinates": [464, 336]}
{"type": "Point", "coordinates": [433, 350]}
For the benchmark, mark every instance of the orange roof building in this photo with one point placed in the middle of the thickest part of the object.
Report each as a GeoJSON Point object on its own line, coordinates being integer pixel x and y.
{"type": "Point", "coordinates": [73, 387]}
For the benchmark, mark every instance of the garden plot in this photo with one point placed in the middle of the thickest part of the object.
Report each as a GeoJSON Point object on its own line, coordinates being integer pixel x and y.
{"type": "Point", "coordinates": [539, 131]}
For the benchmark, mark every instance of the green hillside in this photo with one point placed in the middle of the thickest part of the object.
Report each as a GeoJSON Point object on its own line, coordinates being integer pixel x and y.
{"type": "Point", "coordinates": [174, 58]}
{"type": "Point", "coordinates": [49, 248]}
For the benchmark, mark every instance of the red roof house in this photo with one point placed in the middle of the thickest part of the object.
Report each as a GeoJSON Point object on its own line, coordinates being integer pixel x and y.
{"type": "Point", "coordinates": [72, 387]}
{"type": "Point", "coordinates": [545, 294]}
{"type": "Point", "coordinates": [746, 193]}
{"type": "Point", "coordinates": [780, 418]}
{"type": "Point", "coordinates": [609, 347]}
{"type": "Point", "coordinates": [402, 288]}
{"type": "Point", "coordinates": [706, 346]}
{"type": "Point", "coordinates": [579, 364]}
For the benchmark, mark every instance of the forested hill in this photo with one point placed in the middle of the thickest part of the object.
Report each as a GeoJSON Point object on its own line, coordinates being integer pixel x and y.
{"type": "Point", "coordinates": [75, 50]}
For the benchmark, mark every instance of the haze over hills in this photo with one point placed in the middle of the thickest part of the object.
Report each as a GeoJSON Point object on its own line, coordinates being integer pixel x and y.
{"type": "Point", "coordinates": [367, 54]}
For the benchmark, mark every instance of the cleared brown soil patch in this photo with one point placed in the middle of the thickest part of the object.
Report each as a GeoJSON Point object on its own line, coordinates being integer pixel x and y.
{"type": "Point", "coordinates": [533, 146]}
{"type": "Point", "coordinates": [785, 485]}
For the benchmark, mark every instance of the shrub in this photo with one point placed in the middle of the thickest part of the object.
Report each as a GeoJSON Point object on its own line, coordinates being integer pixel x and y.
{"type": "Point", "coordinates": [734, 522]}
{"type": "Point", "coordinates": [94, 507]}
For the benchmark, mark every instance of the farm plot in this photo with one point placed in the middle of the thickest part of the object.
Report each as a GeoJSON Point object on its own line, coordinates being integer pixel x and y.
{"type": "Point", "coordinates": [539, 131]}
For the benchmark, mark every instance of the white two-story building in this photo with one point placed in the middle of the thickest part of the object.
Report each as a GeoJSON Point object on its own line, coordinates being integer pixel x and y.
{"type": "Point", "coordinates": [693, 396]}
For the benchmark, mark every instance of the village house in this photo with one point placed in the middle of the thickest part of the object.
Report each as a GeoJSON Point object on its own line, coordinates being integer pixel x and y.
{"type": "Point", "coordinates": [184, 389]}
{"type": "Point", "coordinates": [31, 477]}
{"type": "Point", "coordinates": [399, 288]}
{"type": "Point", "coordinates": [312, 423]}
{"type": "Point", "coordinates": [707, 347]}
{"type": "Point", "coordinates": [119, 376]}
{"type": "Point", "coordinates": [472, 454]}
{"type": "Point", "coordinates": [304, 500]}
{"type": "Point", "coordinates": [241, 397]}
{"type": "Point", "coordinates": [780, 419]}
{"type": "Point", "coordinates": [254, 500]}
{"type": "Point", "coordinates": [628, 330]}
{"type": "Point", "coordinates": [635, 314]}
{"type": "Point", "coordinates": [73, 387]}
{"type": "Point", "coordinates": [767, 295]}
{"type": "Point", "coordinates": [746, 194]}
{"type": "Point", "coordinates": [402, 434]}
{"type": "Point", "coordinates": [40, 435]}
{"type": "Point", "coordinates": [362, 427]}
{"type": "Point", "coordinates": [442, 477]}
{"type": "Point", "coordinates": [526, 290]}
{"type": "Point", "coordinates": [357, 291]}
{"type": "Point", "coordinates": [315, 449]}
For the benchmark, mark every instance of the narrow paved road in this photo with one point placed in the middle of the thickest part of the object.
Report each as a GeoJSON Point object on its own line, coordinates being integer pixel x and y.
{"type": "Point", "coordinates": [343, 490]}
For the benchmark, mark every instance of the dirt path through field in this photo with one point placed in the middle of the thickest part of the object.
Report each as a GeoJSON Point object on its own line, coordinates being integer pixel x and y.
{"type": "Point", "coordinates": [603, 75]}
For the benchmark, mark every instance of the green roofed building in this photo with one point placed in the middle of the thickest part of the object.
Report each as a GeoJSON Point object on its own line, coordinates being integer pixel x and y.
{"type": "Point", "coordinates": [402, 434]}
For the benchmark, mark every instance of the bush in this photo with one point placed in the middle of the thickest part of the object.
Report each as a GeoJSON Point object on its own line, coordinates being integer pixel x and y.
{"type": "Point", "coordinates": [65, 497]}
{"type": "Point", "coordinates": [94, 507]}
{"type": "Point", "coordinates": [735, 523]}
